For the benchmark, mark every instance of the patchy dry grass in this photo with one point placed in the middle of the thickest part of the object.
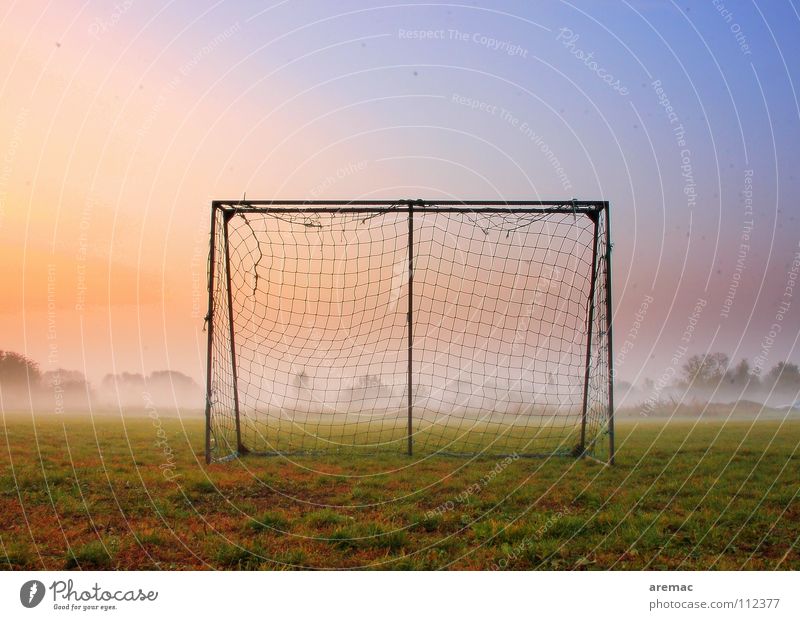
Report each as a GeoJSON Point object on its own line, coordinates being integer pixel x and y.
{"type": "Point", "coordinates": [103, 494]}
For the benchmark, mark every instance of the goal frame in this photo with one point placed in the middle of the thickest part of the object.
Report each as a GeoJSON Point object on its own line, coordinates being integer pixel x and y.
{"type": "Point", "coordinates": [593, 209]}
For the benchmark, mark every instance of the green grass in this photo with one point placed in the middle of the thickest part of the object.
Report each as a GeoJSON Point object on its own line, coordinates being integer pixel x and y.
{"type": "Point", "coordinates": [321, 518]}
{"type": "Point", "coordinates": [93, 555]}
{"type": "Point", "coordinates": [682, 495]}
{"type": "Point", "coordinates": [270, 521]}
{"type": "Point", "coordinates": [537, 432]}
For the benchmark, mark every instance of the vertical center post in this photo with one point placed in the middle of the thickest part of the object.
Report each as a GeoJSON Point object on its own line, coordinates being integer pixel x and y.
{"type": "Point", "coordinates": [410, 324]}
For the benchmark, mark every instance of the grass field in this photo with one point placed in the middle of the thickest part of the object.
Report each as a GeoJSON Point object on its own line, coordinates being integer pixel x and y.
{"type": "Point", "coordinates": [523, 435]}
{"type": "Point", "coordinates": [135, 494]}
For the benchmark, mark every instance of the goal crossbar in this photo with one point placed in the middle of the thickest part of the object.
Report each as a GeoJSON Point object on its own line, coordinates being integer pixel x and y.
{"type": "Point", "coordinates": [403, 206]}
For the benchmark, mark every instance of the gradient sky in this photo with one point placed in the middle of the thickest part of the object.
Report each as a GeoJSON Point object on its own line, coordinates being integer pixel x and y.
{"type": "Point", "coordinates": [120, 122]}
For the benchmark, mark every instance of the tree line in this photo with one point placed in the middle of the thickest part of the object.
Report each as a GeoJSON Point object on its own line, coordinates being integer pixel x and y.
{"type": "Point", "coordinates": [23, 383]}
{"type": "Point", "coordinates": [713, 376]}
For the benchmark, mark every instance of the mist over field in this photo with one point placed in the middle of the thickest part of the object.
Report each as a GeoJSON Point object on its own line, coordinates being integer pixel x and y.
{"type": "Point", "coordinates": [701, 380]}
{"type": "Point", "coordinates": [23, 386]}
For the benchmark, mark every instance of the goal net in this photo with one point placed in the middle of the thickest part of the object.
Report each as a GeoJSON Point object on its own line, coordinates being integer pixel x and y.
{"type": "Point", "coordinates": [455, 328]}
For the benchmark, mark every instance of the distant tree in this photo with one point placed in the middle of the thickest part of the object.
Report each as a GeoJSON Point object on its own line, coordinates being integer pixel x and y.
{"type": "Point", "coordinates": [163, 388]}
{"type": "Point", "coordinates": [67, 389]}
{"type": "Point", "coordinates": [624, 390]}
{"type": "Point", "coordinates": [170, 387]}
{"type": "Point", "coordinates": [623, 386]}
{"type": "Point", "coordinates": [123, 380]}
{"type": "Point", "coordinates": [783, 377]}
{"type": "Point", "coordinates": [68, 379]}
{"type": "Point", "coordinates": [173, 377]}
{"type": "Point", "coordinates": [705, 371]}
{"type": "Point", "coordinates": [18, 371]}
{"type": "Point", "coordinates": [742, 376]}
{"type": "Point", "coordinates": [123, 389]}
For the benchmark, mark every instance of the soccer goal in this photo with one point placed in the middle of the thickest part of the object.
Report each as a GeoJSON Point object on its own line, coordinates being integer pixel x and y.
{"type": "Point", "coordinates": [410, 326]}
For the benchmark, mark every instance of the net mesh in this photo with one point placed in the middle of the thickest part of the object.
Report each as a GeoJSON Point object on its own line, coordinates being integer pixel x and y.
{"type": "Point", "coordinates": [310, 332]}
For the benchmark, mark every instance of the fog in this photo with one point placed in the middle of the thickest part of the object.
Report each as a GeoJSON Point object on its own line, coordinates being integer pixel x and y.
{"type": "Point", "coordinates": [25, 387]}
{"type": "Point", "coordinates": [475, 389]}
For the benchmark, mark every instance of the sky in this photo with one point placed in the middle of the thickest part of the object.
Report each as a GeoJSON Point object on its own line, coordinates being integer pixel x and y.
{"type": "Point", "coordinates": [119, 123]}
